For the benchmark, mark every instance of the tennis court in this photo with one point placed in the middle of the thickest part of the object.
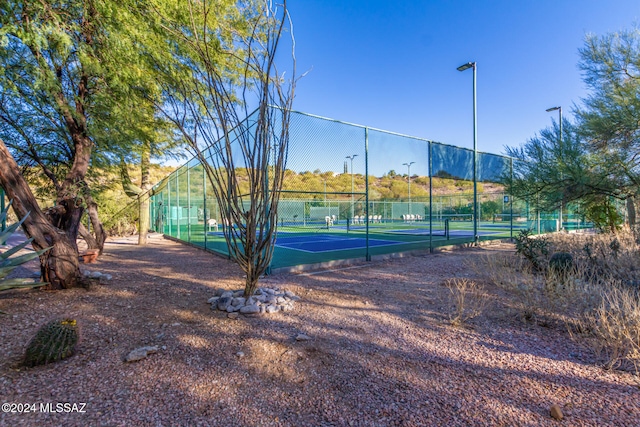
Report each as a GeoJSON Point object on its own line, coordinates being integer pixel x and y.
{"type": "Point", "coordinates": [352, 191]}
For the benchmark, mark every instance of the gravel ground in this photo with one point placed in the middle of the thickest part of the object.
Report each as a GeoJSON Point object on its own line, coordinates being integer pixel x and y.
{"type": "Point", "coordinates": [382, 351]}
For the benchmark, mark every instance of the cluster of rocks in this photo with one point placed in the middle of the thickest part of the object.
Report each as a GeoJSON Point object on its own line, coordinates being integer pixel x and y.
{"type": "Point", "coordinates": [264, 300]}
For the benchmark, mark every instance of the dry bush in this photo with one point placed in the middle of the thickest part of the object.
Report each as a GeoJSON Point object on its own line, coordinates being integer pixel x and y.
{"type": "Point", "coordinates": [603, 257]}
{"type": "Point", "coordinates": [468, 298]}
{"type": "Point", "coordinates": [515, 275]}
{"type": "Point", "coordinates": [613, 328]}
{"type": "Point", "coordinates": [598, 296]}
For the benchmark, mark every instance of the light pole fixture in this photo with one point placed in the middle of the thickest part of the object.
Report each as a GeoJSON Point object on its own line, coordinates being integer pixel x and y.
{"type": "Point", "coordinates": [351, 158]}
{"type": "Point", "coordinates": [475, 149]}
{"type": "Point", "coordinates": [408, 165]}
{"type": "Point", "coordinates": [559, 228]}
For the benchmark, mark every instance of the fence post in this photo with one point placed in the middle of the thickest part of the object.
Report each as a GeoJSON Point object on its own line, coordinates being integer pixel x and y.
{"type": "Point", "coordinates": [430, 199]}
{"type": "Point", "coordinates": [511, 202]}
{"type": "Point", "coordinates": [366, 189]}
{"type": "Point", "coordinates": [188, 203]}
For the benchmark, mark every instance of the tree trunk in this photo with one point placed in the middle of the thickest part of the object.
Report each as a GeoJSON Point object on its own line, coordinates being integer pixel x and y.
{"type": "Point", "coordinates": [98, 229]}
{"type": "Point", "coordinates": [88, 237]}
{"type": "Point", "coordinates": [59, 266]}
{"type": "Point", "coordinates": [631, 212]}
{"type": "Point", "coordinates": [143, 197]}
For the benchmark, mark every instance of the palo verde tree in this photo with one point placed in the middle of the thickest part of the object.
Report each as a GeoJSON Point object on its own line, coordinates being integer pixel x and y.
{"type": "Point", "coordinates": [549, 172]}
{"type": "Point", "coordinates": [609, 118]}
{"type": "Point", "coordinates": [69, 70]}
{"type": "Point", "coordinates": [232, 106]}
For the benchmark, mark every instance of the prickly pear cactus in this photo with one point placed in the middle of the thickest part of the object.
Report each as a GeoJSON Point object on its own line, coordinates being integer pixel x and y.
{"type": "Point", "coordinates": [54, 341]}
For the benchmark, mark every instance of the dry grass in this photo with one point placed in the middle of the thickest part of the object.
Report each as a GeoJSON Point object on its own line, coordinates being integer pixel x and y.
{"type": "Point", "coordinates": [597, 296]}
{"type": "Point", "coordinates": [613, 328]}
{"type": "Point", "coordinates": [468, 299]}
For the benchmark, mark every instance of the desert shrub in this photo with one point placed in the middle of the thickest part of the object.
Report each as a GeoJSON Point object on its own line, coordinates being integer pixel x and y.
{"type": "Point", "coordinates": [468, 299]}
{"type": "Point", "coordinates": [603, 258]}
{"type": "Point", "coordinates": [532, 248]}
{"type": "Point", "coordinates": [591, 284]}
{"type": "Point", "coordinates": [515, 275]}
{"type": "Point", "coordinates": [612, 329]}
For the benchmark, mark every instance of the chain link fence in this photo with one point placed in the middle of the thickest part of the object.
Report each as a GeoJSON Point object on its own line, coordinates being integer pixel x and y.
{"type": "Point", "coordinates": [352, 191]}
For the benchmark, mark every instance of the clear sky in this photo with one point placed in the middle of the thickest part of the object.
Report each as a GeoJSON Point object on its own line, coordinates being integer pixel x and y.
{"type": "Point", "coordinates": [392, 64]}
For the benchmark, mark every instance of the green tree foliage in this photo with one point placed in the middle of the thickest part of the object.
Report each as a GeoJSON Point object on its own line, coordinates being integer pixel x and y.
{"type": "Point", "coordinates": [598, 160]}
{"type": "Point", "coordinates": [610, 116]}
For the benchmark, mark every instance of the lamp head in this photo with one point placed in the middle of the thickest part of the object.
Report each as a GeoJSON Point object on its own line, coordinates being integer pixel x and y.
{"type": "Point", "coordinates": [553, 109]}
{"type": "Point", "coordinates": [467, 66]}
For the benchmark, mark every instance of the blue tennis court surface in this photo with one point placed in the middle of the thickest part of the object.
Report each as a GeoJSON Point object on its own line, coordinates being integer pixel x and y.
{"type": "Point", "coordinates": [328, 243]}
{"type": "Point", "coordinates": [317, 243]}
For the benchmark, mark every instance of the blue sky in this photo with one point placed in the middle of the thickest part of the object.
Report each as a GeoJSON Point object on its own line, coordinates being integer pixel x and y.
{"type": "Point", "coordinates": [392, 64]}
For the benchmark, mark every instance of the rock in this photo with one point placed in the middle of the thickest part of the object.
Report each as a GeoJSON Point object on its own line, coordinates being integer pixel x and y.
{"type": "Point", "coordinates": [223, 303]}
{"type": "Point", "coordinates": [269, 291]}
{"type": "Point", "coordinates": [95, 275]}
{"type": "Point", "coordinates": [238, 301]}
{"type": "Point", "coordinates": [227, 294]}
{"type": "Point", "coordinates": [248, 309]}
{"type": "Point", "coordinates": [238, 293]}
{"type": "Point", "coordinates": [302, 337]}
{"type": "Point", "coordinates": [270, 300]}
{"type": "Point", "coordinates": [232, 308]}
{"type": "Point", "coordinates": [250, 301]}
{"type": "Point", "coordinates": [280, 300]}
{"type": "Point", "coordinates": [262, 309]}
{"type": "Point", "coordinates": [289, 294]}
{"type": "Point", "coordinates": [233, 315]}
{"type": "Point", "coordinates": [213, 300]}
{"type": "Point", "coordinates": [295, 298]}
{"type": "Point", "coordinates": [556, 412]}
{"type": "Point", "coordinates": [258, 291]}
{"type": "Point", "coordinates": [240, 354]}
{"type": "Point", "coordinates": [286, 307]}
{"type": "Point", "coordinates": [261, 298]}
{"type": "Point", "coordinates": [220, 291]}
{"type": "Point", "coordinates": [272, 309]}
{"type": "Point", "coordinates": [140, 353]}
{"type": "Point", "coordinates": [106, 277]}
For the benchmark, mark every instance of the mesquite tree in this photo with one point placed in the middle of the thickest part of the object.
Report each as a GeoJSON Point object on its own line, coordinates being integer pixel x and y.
{"type": "Point", "coordinates": [226, 70]}
{"type": "Point", "coordinates": [59, 266]}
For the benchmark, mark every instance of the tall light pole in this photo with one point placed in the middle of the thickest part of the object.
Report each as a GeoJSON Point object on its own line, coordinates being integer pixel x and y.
{"type": "Point", "coordinates": [351, 158]}
{"type": "Point", "coordinates": [408, 165]}
{"type": "Point", "coordinates": [559, 228]}
{"type": "Point", "coordinates": [475, 149]}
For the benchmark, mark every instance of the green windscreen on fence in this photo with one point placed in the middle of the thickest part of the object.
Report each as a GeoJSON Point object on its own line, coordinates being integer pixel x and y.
{"type": "Point", "coordinates": [351, 191]}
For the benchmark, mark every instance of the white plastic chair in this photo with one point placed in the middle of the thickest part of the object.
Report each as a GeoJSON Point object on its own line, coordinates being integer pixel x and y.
{"type": "Point", "coordinates": [212, 223]}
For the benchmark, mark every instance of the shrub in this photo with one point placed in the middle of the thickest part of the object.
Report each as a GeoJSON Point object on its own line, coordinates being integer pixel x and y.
{"type": "Point", "coordinates": [613, 328]}
{"type": "Point", "coordinates": [54, 341]}
{"type": "Point", "coordinates": [468, 298]}
{"type": "Point", "coordinates": [532, 248]}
